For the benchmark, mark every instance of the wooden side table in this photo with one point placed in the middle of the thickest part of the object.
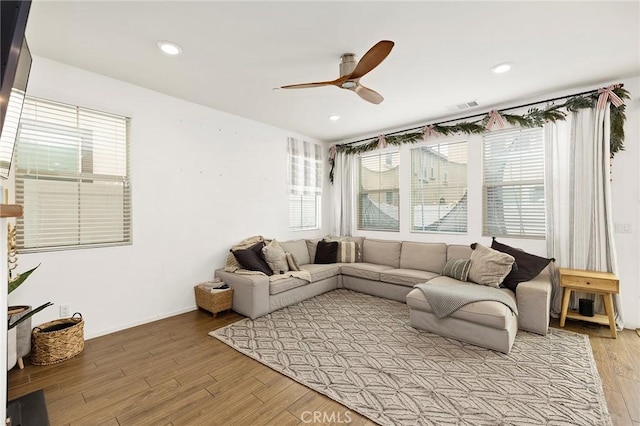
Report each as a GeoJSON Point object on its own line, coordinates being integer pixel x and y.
{"type": "Point", "coordinates": [604, 283]}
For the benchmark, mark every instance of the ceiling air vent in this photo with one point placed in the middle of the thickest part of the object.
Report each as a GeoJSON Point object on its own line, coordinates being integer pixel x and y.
{"type": "Point", "coordinates": [464, 105]}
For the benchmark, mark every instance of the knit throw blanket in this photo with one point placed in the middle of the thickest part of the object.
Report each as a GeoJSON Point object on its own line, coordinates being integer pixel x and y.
{"type": "Point", "coordinates": [446, 298]}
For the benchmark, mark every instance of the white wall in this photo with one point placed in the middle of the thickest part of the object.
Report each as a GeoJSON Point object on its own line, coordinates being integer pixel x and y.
{"type": "Point", "coordinates": [625, 189]}
{"type": "Point", "coordinates": [625, 200]}
{"type": "Point", "coordinates": [201, 181]}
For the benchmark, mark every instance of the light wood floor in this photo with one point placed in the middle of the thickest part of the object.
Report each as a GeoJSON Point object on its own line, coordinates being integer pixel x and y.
{"type": "Point", "coordinates": [170, 372]}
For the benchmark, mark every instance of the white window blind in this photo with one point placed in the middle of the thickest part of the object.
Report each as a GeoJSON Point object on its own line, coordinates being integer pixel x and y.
{"type": "Point", "coordinates": [379, 191]}
{"type": "Point", "coordinates": [439, 188]}
{"type": "Point", "coordinates": [513, 183]}
{"type": "Point", "coordinates": [305, 184]}
{"type": "Point", "coordinates": [72, 177]}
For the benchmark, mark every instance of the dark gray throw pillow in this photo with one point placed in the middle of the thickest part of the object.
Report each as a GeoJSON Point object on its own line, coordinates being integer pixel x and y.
{"type": "Point", "coordinates": [528, 266]}
{"type": "Point", "coordinates": [326, 252]}
{"type": "Point", "coordinates": [457, 268]}
{"type": "Point", "coordinates": [251, 259]}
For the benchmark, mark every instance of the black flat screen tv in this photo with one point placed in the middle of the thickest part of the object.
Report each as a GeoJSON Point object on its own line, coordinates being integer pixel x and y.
{"type": "Point", "coordinates": [16, 63]}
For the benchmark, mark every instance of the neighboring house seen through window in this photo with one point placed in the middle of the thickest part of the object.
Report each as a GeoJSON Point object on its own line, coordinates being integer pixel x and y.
{"type": "Point", "coordinates": [439, 188]}
{"type": "Point", "coordinates": [379, 191]}
{"type": "Point", "coordinates": [72, 177]}
{"type": "Point", "coordinates": [513, 183]}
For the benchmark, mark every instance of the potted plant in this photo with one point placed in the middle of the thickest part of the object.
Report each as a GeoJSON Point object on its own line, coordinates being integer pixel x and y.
{"type": "Point", "coordinates": [19, 317]}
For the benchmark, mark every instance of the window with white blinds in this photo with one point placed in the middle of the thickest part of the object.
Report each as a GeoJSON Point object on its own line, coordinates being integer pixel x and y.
{"type": "Point", "coordinates": [305, 184]}
{"type": "Point", "coordinates": [513, 183]}
{"type": "Point", "coordinates": [379, 191]}
{"type": "Point", "coordinates": [72, 177]}
{"type": "Point", "coordinates": [439, 188]}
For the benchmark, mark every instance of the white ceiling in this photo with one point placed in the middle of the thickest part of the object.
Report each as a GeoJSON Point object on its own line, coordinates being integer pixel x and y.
{"type": "Point", "coordinates": [235, 53]}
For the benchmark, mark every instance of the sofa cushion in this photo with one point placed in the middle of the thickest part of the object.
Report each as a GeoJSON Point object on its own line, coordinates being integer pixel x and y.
{"type": "Point", "coordinates": [382, 252]}
{"type": "Point", "coordinates": [275, 257]}
{"type": "Point", "coordinates": [527, 266]}
{"type": "Point", "coordinates": [320, 272]}
{"type": "Point", "coordinates": [457, 268]}
{"type": "Point", "coordinates": [326, 252]}
{"type": "Point", "coordinates": [408, 277]}
{"type": "Point", "coordinates": [312, 246]}
{"type": "Point", "coordinates": [458, 251]}
{"type": "Point", "coordinates": [423, 256]}
{"type": "Point", "coordinates": [489, 267]}
{"type": "Point", "coordinates": [279, 286]}
{"type": "Point", "coordinates": [489, 313]}
{"type": "Point", "coordinates": [367, 271]}
{"type": "Point", "coordinates": [299, 250]}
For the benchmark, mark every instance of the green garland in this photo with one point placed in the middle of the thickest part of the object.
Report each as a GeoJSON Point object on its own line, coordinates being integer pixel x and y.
{"type": "Point", "coordinates": [535, 117]}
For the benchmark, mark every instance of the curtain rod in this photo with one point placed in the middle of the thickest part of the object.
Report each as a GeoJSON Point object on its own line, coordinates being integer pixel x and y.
{"type": "Point", "coordinates": [475, 115]}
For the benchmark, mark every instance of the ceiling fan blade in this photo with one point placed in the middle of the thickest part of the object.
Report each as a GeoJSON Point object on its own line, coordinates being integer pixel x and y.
{"type": "Point", "coordinates": [307, 85]}
{"type": "Point", "coordinates": [368, 94]}
{"type": "Point", "coordinates": [372, 58]}
{"type": "Point", "coordinates": [336, 82]}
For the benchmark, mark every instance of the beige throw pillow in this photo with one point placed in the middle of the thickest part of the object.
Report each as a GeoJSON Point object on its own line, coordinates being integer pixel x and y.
{"type": "Point", "coordinates": [291, 261]}
{"type": "Point", "coordinates": [275, 257]}
{"type": "Point", "coordinates": [489, 267]}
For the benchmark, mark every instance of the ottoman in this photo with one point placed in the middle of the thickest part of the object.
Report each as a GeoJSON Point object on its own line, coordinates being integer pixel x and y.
{"type": "Point", "coordinates": [488, 324]}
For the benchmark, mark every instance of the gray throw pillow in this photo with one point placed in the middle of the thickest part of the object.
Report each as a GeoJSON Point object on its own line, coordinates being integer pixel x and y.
{"type": "Point", "coordinates": [275, 257]}
{"type": "Point", "coordinates": [457, 268]}
{"type": "Point", "coordinates": [489, 267]}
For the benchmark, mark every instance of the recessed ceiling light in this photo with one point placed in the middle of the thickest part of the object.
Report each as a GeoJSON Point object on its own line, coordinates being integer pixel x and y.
{"type": "Point", "coordinates": [502, 68]}
{"type": "Point", "coordinates": [334, 117]}
{"type": "Point", "coordinates": [169, 48]}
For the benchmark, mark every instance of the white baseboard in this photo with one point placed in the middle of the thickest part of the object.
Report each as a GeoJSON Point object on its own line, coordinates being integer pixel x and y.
{"type": "Point", "coordinates": [136, 323]}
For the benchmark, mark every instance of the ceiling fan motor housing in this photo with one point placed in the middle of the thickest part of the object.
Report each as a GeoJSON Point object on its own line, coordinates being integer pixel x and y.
{"type": "Point", "coordinates": [347, 64]}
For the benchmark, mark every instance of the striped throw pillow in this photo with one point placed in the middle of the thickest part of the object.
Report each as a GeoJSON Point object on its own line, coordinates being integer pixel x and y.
{"type": "Point", "coordinates": [457, 268]}
{"type": "Point", "coordinates": [347, 251]}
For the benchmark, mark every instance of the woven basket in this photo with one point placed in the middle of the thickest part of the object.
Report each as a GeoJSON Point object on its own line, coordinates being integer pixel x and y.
{"type": "Point", "coordinates": [214, 302]}
{"type": "Point", "coordinates": [57, 340]}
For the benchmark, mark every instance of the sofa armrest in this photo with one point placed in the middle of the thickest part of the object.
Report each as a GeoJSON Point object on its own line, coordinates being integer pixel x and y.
{"type": "Point", "coordinates": [534, 301]}
{"type": "Point", "coordinates": [250, 292]}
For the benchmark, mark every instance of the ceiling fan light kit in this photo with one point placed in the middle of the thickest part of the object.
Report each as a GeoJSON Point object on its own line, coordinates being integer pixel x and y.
{"type": "Point", "coordinates": [351, 72]}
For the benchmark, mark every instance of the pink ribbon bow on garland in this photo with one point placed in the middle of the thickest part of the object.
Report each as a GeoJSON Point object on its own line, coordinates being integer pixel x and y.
{"type": "Point", "coordinates": [332, 152]}
{"type": "Point", "coordinates": [495, 119]}
{"type": "Point", "coordinates": [382, 142]}
{"type": "Point", "coordinates": [430, 131]}
{"type": "Point", "coordinates": [606, 94]}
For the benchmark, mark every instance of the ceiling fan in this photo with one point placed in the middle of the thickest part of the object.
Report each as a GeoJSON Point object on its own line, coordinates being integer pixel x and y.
{"type": "Point", "coordinates": [351, 72]}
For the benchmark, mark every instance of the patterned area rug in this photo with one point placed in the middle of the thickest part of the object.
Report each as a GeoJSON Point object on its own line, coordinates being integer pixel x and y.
{"type": "Point", "coordinates": [361, 351]}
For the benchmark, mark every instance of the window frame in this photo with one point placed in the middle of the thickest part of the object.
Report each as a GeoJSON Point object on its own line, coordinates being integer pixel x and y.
{"type": "Point", "coordinates": [81, 231]}
{"type": "Point", "coordinates": [385, 158]}
{"type": "Point", "coordinates": [527, 187]}
{"type": "Point", "coordinates": [313, 193]}
{"type": "Point", "coordinates": [430, 176]}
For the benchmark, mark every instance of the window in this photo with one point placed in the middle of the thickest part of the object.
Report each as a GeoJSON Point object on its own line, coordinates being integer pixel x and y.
{"type": "Point", "coordinates": [72, 177]}
{"type": "Point", "coordinates": [305, 184]}
{"type": "Point", "coordinates": [379, 192]}
{"type": "Point", "coordinates": [513, 183]}
{"type": "Point", "coordinates": [439, 188]}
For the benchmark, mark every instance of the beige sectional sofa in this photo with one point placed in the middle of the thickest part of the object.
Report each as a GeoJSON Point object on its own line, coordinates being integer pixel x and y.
{"type": "Point", "coordinates": [390, 269]}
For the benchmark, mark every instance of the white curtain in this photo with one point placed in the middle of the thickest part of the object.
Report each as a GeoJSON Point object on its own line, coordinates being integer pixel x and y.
{"type": "Point", "coordinates": [578, 199]}
{"type": "Point", "coordinates": [343, 195]}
